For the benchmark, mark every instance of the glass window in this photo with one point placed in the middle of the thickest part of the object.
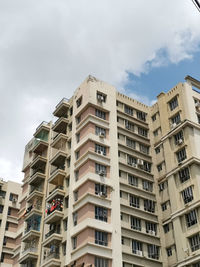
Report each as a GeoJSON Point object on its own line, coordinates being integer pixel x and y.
{"type": "Point", "coordinates": [151, 228]}
{"type": "Point", "coordinates": [128, 110]}
{"type": "Point", "coordinates": [148, 186]}
{"type": "Point", "coordinates": [101, 189]}
{"type": "Point", "coordinates": [142, 131]}
{"type": "Point", "coordinates": [169, 251]}
{"type": "Point", "coordinates": [130, 143]}
{"type": "Point", "coordinates": [164, 206]}
{"type": "Point", "coordinates": [101, 213]}
{"type": "Point", "coordinates": [184, 175]}
{"type": "Point", "coordinates": [173, 103]}
{"type": "Point", "coordinates": [187, 194]}
{"type": "Point", "coordinates": [100, 149]}
{"type": "Point", "coordinates": [129, 125]}
{"type": "Point", "coordinates": [153, 117]}
{"type": "Point", "coordinates": [157, 150]}
{"type": "Point", "coordinates": [176, 119]}
{"type": "Point", "coordinates": [137, 247]}
{"type": "Point", "coordinates": [101, 97]}
{"type": "Point", "coordinates": [100, 262]}
{"type": "Point", "coordinates": [166, 228]}
{"type": "Point", "coordinates": [101, 238]}
{"type": "Point", "coordinates": [153, 251]}
{"type": "Point", "coordinates": [144, 149]}
{"type": "Point", "coordinates": [100, 169]}
{"type": "Point", "coordinates": [134, 201]}
{"type": "Point", "coordinates": [101, 114]}
{"type": "Point", "coordinates": [149, 205]}
{"type": "Point", "coordinates": [79, 102]}
{"type": "Point", "coordinates": [191, 218]}
{"type": "Point", "coordinates": [131, 160]}
{"type": "Point", "coordinates": [132, 180]}
{"type": "Point", "coordinates": [178, 138]}
{"type": "Point", "coordinates": [141, 115]}
{"type": "Point", "coordinates": [100, 131]}
{"type": "Point", "coordinates": [135, 223]}
{"type": "Point", "coordinates": [181, 155]}
{"type": "Point", "coordinates": [195, 242]}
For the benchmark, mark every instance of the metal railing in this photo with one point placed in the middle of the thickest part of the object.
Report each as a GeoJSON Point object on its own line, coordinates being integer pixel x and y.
{"type": "Point", "coordinates": [62, 101]}
{"type": "Point", "coordinates": [51, 232]}
{"type": "Point", "coordinates": [52, 255]}
{"type": "Point", "coordinates": [45, 123]}
{"type": "Point", "coordinates": [31, 249]}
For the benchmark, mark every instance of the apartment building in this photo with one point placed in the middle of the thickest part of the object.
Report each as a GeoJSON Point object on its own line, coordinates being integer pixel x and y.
{"type": "Point", "coordinates": [9, 235]}
{"type": "Point", "coordinates": [113, 182]}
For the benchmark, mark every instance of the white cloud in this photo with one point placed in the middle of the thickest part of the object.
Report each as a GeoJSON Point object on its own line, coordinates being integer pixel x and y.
{"type": "Point", "coordinates": [48, 47]}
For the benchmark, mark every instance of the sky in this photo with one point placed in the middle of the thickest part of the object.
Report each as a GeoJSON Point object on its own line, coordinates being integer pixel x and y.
{"type": "Point", "coordinates": [48, 47]}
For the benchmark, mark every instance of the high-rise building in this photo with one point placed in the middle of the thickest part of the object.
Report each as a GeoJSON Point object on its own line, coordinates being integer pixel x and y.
{"type": "Point", "coordinates": [114, 182]}
{"type": "Point", "coordinates": [9, 231]}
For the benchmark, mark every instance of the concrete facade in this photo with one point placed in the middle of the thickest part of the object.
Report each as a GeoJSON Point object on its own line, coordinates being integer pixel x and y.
{"type": "Point", "coordinates": [113, 182]}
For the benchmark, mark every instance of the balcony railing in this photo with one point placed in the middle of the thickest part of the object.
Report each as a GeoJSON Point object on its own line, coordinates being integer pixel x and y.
{"type": "Point", "coordinates": [58, 205]}
{"type": "Point", "coordinates": [61, 187]}
{"type": "Point", "coordinates": [35, 227]}
{"type": "Point", "coordinates": [62, 100]}
{"type": "Point", "coordinates": [52, 255]}
{"type": "Point", "coordinates": [31, 249]}
{"type": "Point", "coordinates": [38, 170]}
{"type": "Point", "coordinates": [51, 232]}
{"type": "Point", "coordinates": [43, 123]}
{"type": "Point", "coordinates": [58, 168]}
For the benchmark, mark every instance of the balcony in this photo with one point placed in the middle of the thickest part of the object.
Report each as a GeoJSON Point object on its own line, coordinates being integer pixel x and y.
{"type": "Point", "coordinates": [33, 210]}
{"type": "Point", "coordinates": [39, 146]}
{"type": "Point", "coordinates": [59, 158]}
{"type": "Point", "coordinates": [35, 193]}
{"type": "Point", "coordinates": [60, 126]}
{"type": "Point", "coordinates": [62, 108]}
{"type": "Point", "coordinates": [39, 163]}
{"type": "Point", "coordinates": [59, 137]}
{"type": "Point", "coordinates": [57, 193]}
{"type": "Point", "coordinates": [37, 178]}
{"type": "Point", "coordinates": [29, 254]}
{"type": "Point", "coordinates": [53, 236]}
{"type": "Point", "coordinates": [44, 126]}
{"type": "Point", "coordinates": [57, 176]}
{"type": "Point", "coordinates": [54, 214]}
{"type": "Point", "coordinates": [51, 260]}
{"type": "Point", "coordinates": [31, 233]}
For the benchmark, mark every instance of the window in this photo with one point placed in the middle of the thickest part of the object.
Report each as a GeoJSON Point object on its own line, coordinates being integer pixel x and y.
{"type": "Point", "coordinates": [142, 131]}
{"type": "Point", "coordinates": [198, 118]}
{"type": "Point", "coordinates": [67, 202]}
{"type": "Point", "coordinates": [191, 218]}
{"type": "Point", "coordinates": [164, 206]}
{"type": "Point", "coordinates": [169, 251]}
{"type": "Point", "coordinates": [161, 186]}
{"type": "Point", "coordinates": [149, 205]}
{"type": "Point", "coordinates": [78, 119]}
{"type": "Point", "coordinates": [129, 125]}
{"type": "Point", "coordinates": [71, 111]}
{"type": "Point", "coordinates": [155, 133]}
{"type": "Point", "coordinates": [64, 246]}
{"type": "Point", "coordinates": [141, 115]}
{"type": "Point", "coordinates": [74, 242]}
{"type": "Point", "coordinates": [178, 138]}
{"type": "Point", "coordinates": [144, 149]}
{"type": "Point", "coordinates": [153, 251]}
{"type": "Point", "coordinates": [70, 127]}
{"type": "Point", "coordinates": [181, 155]}
{"type": "Point", "coordinates": [173, 103]}
{"type": "Point", "coordinates": [11, 197]}
{"type": "Point", "coordinates": [100, 131]}
{"type": "Point", "coordinates": [184, 175]}
{"type": "Point", "coordinates": [157, 150]}
{"type": "Point", "coordinates": [131, 160]}
{"type": "Point", "coordinates": [100, 262]}
{"type": "Point", "coordinates": [130, 143]}
{"type": "Point", "coordinates": [65, 224]}
{"type": "Point", "coordinates": [151, 228]}
{"type": "Point", "coordinates": [195, 242]}
{"type": "Point", "coordinates": [137, 247]}
{"type": "Point", "coordinates": [101, 97]}
{"type": "Point", "coordinates": [77, 155]}
{"type": "Point", "coordinates": [134, 201]}
{"type": "Point", "coordinates": [153, 117]}
{"type": "Point", "coordinates": [197, 264]}
{"type": "Point", "coordinates": [77, 137]}
{"type": "Point", "coordinates": [128, 110]}
{"type": "Point", "coordinates": [101, 238]}
{"type": "Point", "coordinates": [147, 166]}
{"type": "Point", "coordinates": [75, 196]}
{"type": "Point", "coordinates": [148, 186]}
{"type": "Point", "coordinates": [76, 174]}
{"type": "Point", "coordinates": [9, 211]}
{"type": "Point", "coordinates": [176, 119]}
{"type": "Point", "coordinates": [135, 223]}
{"type": "Point", "coordinates": [101, 213]}
{"type": "Point", "coordinates": [122, 240]}
{"type": "Point", "coordinates": [75, 217]}
{"type": "Point", "coordinates": [79, 102]}
{"type": "Point", "coordinates": [132, 180]}
{"type": "Point", "coordinates": [7, 226]}
{"type": "Point", "coordinates": [166, 228]}
{"type": "Point", "coordinates": [101, 114]}
{"type": "Point", "coordinates": [101, 189]}
{"type": "Point", "coordinates": [100, 169]}
{"type": "Point", "coordinates": [100, 149]}
{"type": "Point", "coordinates": [159, 167]}
{"type": "Point", "coordinates": [187, 194]}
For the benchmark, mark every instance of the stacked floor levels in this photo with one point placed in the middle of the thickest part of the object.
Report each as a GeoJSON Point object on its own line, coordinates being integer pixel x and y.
{"type": "Point", "coordinates": [114, 182]}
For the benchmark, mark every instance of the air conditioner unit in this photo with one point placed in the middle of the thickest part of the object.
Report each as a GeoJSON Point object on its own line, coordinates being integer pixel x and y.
{"type": "Point", "coordinates": [180, 141]}
{"type": "Point", "coordinates": [100, 98]}
{"type": "Point", "coordinates": [139, 252]}
{"type": "Point", "coordinates": [152, 232]}
{"type": "Point", "coordinates": [173, 125]}
{"type": "Point", "coordinates": [102, 194]}
{"type": "Point", "coordinates": [100, 152]}
{"type": "Point", "coordinates": [134, 165]}
{"type": "Point", "coordinates": [140, 162]}
{"type": "Point", "coordinates": [14, 200]}
{"type": "Point", "coordinates": [101, 173]}
{"type": "Point", "coordinates": [102, 134]}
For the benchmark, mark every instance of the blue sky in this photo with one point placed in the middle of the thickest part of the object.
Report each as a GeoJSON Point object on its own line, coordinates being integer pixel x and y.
{"type": "Point", "coordinates": [163, 78]}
